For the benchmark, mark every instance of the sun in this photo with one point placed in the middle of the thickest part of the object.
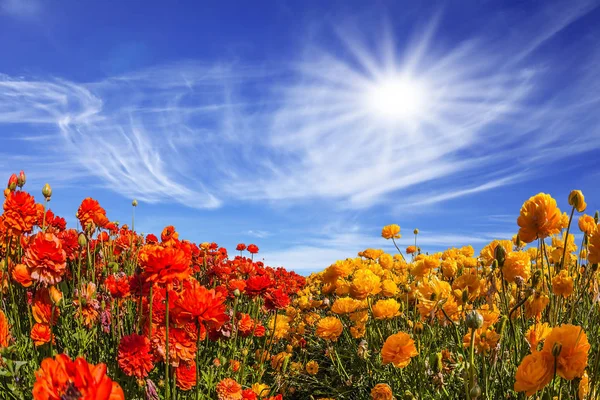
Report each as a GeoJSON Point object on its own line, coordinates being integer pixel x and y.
{"type": "Point", "coordinates": [396, 98]}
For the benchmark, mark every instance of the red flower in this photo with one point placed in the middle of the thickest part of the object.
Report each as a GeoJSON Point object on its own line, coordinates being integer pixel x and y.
{"type": "Point", "coordinates": [134, 356]}
{"type": "Point", "coordinates": [90, 213]}
{"type": "Point", "coordinates": [4, 331]}
{"type": "Point", "coordinates": [117, 285]}
{"type": "Point", "coordinates": [197, 303]}
{"type": "Point", "coordinates": [61, 378]}
{"type": "Point", "coordinates": [276, 300]}
{"type": "Point", "coordinates": [151, 239]}
{"type": "Point", "coordinates": [20, 212]}
{"type": "Point", "coordinates": [40, 334]}
{"type": "Point", "coordinates": [169, 236]}
{"type": "Point", "coordinates": [164, 264]}
{"type": "Point", "coordinates": [46, 259]}
{"type": "Point", "coordinates": [253, 249]}
{"type": "Point", "coordinates": [241, 247]}
{"type": "Point", "coordinates": [185, 376]}
{"type": "Point", "coordinates": [257, 285]}
{"type": "Point", "coordinates": [248, 394]}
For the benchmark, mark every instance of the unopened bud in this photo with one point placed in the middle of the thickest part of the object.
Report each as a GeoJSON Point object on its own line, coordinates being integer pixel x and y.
{"type": "Point", "coordinates": [418, 328]}
{"type": "Point", "coordinates": [465, 296]}
{"type": "Point", "coordinates": [21, 179]}
{"type": "Point", "coordinates": [47, 191]}
{"type": "Point", "coordinates": [113, 266]}
{"type": "Point", "coordinates": [12, 182]}
{"type": "Point", "coordinates": [500, 255]}
{"type": "Point", "coordinates": [596, 217]}
{"type": "Point", "coordinates": [577, 200]}
{"type": "Point", "coordinates": [6, 192]}
{"type": "Point", "coordinates": [536, 278]}
{"type": "Point", "coordinates": [134, 203]}
{"type": "Point", "coordinates": [475, 392]}
{"type": "Point", "coordinates": [55, 295]}
{"type": "Point", "coordinates": [435, 362]}
{"type": "Point", "coordinates": [416, 231]}
{"type": "Point", "coordinates": [82, 240]}
{"type": "Point", "coordinates": [237, 293]}
{"type": "Point", "coordinates": [474, 320]}
{"type": "Point", "coordinates": [408, 395]}
{"type": "Point", "coordinates": [518, 241]}
{"type": "Point", "coordinates": [556, 349]}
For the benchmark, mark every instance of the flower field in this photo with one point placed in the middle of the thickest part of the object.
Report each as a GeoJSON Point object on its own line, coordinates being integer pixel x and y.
{"type": "Point", "coordinates": [102, 312]}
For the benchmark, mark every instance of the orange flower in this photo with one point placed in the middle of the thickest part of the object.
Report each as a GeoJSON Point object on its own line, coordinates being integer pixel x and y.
{"type": "Point", "coordinates": [20, 212]}
{"type": "Point", "coordinates": [41, 308]}
{"type": "Point", "coordinates": [485, 340]}
{"type": "Point", "coordinates": [164, 264]}
{"type": "Point", "coordinates": [534, 373]}
{"type": "Point", "coordinates": [169, 236]}
{"type": "Point", "coordinates": [365, 282]}
{"type": "Point", "coordinates": [90, 306]}
{"type": "Point", "coordinates": [4, 330]}
{"type": "Point", "coordinates": [182, 345]}
{"type": "Point", "coordinates": [562, 284]}
{"type": "Point", "coordinates": [391, 231]}
{"type": "Point", "coordinates": [329, 328]}
{"type": "Point", "coordinates": [540, 217]}
{"type": "Point", "coordinates": [584, 387]}
{"type": "Point", "coordinates": [574, 346]}
{"type": "Point", "coordinates": [411, 250]}
{"type": "Point", "coordinates": [61, 378]}
{"type": "Point", "coordinates": [185, 376]}
{"type": "Point", "coordinates": [577, 200]}
{"type": "Point", "coordinates": [587, 224]}
{"type": "Point", "coordinates": [229, 389]}
{"type": "Point", "coordinates": [535, 305]}
{"type": "Point", "coordinates": [41, 334]}
{"type": "Point", "coordinates": [21, 274]}
{"type": "Point", "coordinates": [398, 349]}
{"type": "Point", "coordinates": [382, 391]}
{"type": "Point", "coordinates": [594, 247]}
{"type": "Point", "coordinates": [91, 214]}
{"type": "Point", "coordinates": [537, 333]}
{"type": "Point", "coordinates": [45, 258]}
{"type": "Point", "coordinates": [134, 356]}
{"type": "Point", "coordinates": [345, 305]}
{"type": "Point", "coordinates": [197, 303]}
{"type": "Point", "coordinates": [386, 309]}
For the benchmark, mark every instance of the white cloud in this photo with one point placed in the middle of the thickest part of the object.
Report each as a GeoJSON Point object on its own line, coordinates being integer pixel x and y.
{"type": "Point", "coordinates": [23, 9]}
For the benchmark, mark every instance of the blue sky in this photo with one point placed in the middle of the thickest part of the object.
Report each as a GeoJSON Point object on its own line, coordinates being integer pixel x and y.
{"type": "Point", "coordinates": [303, 127]}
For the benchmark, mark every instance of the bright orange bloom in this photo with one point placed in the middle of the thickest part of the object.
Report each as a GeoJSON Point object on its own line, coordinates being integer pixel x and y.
{"type": "Point", "coordinates": [46, 259]}
{"type": "Point", "coordinates": [382, 391]}
{"type": "Point", "coordinates": [169, 236]}
{"type": "Point", "coordinates": [91, 214]}
{"type": "Point", "coordinates": [391, 231]}
{"type": "Point", "coordinates": [577, 200]}
{"type": "Point", "coordinates": [411, 250]}
{"type": "Point", "coordinates": [386, 309]}
{"type": "Point", "coordinates": [329, 328]}
{"type": "Point", "coordinates": [536, 334]}
{"type": "Point", "coordinates": [485, 340]}
{"type": "Point", "coordinates": [197, 303]}
{"type": "Point", "coordinates": [229, 389]}
{"type": "Point", "coordinates": [164, 264]}
{"type": "Point", "coordinates": [41, 308]}
{"type": "Point", "coordinates": [534, 373]}
{"type": "Point", "coordinates": [20, 212]}
{"type": "Point", "coordinates": [41, 334]}
{"type": "Point", "coordinates": [21, 274]}
{"type": "Point", "coordinates": [594, 247]}
{"type": "Point", "coordinates": [398, 349]}
{"type": "Point", "coordinates": [562, 284]}
{"type": "Point", "coordinates": [4, 330]}
{"type": "Point", "coordinates": [517, 263]}
{"type": "Point", "coordinates": [134, 356]}
{"type": "Point", "coordinates": [182, 345]}
{"type": "Point", "coordinates": [62, 378]}
{"type": "Point", "coordinates": [540, 217]}
{"type": "Point", "coordinates": [574, 347]}
{"type": "Point", "coordinates": [87, 305]}
{"type": "Point", "coordinates": [185, 376]}
{"type": "Point", "coordinates": [587, 224]}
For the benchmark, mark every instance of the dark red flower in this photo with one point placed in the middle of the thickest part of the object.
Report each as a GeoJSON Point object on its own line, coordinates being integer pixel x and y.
{"type": "Point", "coordinates": [253, 249]}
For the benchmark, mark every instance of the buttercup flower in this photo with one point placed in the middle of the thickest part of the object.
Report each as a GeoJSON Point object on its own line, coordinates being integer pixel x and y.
{"type": "Point", "coordinates": [398, 349]}
{"type": "Point", "coordinates": [540, 218]}
{"type": "Point", "coordinates": [534, 372]}
{"type": "Point", "coordinates": [382, 391]}
{"type": "Point", "coordinates": [391, 232]}
{"type": "Point", "coordinates": [573, 356]}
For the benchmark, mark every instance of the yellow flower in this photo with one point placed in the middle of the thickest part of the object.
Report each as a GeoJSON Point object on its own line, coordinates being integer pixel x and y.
{"type": "Point", "coordinates": [329, 328]}
{"type": "Point", "coordinates": [449, 268]}
{"type": "Point", "coordinates": [584, 387]}
{"type": "Point", "coordinates": [386, 261]}
{"type": "Point", "coordinates": [386, 309]}
{"type": "Point", "coordinates": [364, 283]}
{"type": "Point", "coordinates": [574, 346]}
{"type": "Point", "coordinates": [535, 305]}
{"type": "Point", "coordinates": [312, 367]}
{"type": "Point", "coordinates": [534, 373]}
{"type": "Point", "coordinates": [540, 217]}
{"type": "Point", "coordinates": [398, 349]}
{"type": "Point", "coordinates": [345, 305]}
{"type": "Point", "coordinates": [594, 247]}
{"type": "Point", "coordinates": [536, 334]}
{"type": "Point", "coordinates": [389, 288]}
{"type": "Point", "coordinates": [391, 231]}
{"type": "Point", "coordinates": [281, 327]}
{"type": "Point", "coordinates": [517, 263]}
{"type": "Point", "coordinates": [487, 253]}
{"type": "Point", "coordinates": [587, 224]}
{"type": "Point", "coordinates": [358, 331]}
{"type": "Point", "coordinates": [562, 284]}
{"type": "Point", "coordinates": [381, 391]}
{"type": "Point", "coordinates": [261, 389]}
{"type": "Point", "coordinates": [278, 360]}
{"type": "Point", "coordinates": [577, 200]}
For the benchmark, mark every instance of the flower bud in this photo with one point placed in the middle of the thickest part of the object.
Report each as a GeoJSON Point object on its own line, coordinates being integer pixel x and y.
{"type": "Point", "coordinates": [475, 392]}
{"type": "Point", "coordinates": [500, 255]}
{"type": "Point", "coordinates": [6, 192]}
{"type": "Point", "coordinates": [474, 320]}
{"type": "Point", "coordinates": [21, 179]}
{"type": "Point", "coordinates": [82, 240]}
{"type": "Point", "coordinates": [244, 351]}
{"type": "Point", "coordinates": [12, 182]}
{"type": "Point", "coordinates": [55, 295]}
{"type": "Point", "coordinates": [465, 296]}
{"type": "Point", "coordinates": [596, 217]}
{"type": "Point", "coordinates": [408, 395]}
{"type": "Point", "coordinates": [556, 349]}
{"type": "Point", "coordinates": [134, 203]}
{"type": "Point", "coordinates": [418, 328]}
{"type": "Point", "coordinates": [237, 292]}
{"type": "Point", "coordinates": [47, 191]}
{"type": "Point", "coordinates": [577, 200]}
{"type": "Point", "coordinates": [536, 278]}
{"type": "Point", "coordinates": [416, 231]}
{"type": "Point", "coordinates": [435, 362]}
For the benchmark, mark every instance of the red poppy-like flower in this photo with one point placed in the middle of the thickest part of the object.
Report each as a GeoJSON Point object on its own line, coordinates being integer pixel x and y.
{"type": "Point", "coordinates": [197, 303]}
{"type": "Point", "coordinates": [182, 345]}
{"type": "Point", "coordinates": [276, 299]}
{"type": "Point", "coordinates": [164, 264]}
{"type": "Point", "coordinates": [134, 356]}
{"type": "Point", "coordinates": [40, 334]}
{"type": "Point", "coordinates": [46, 259]}
{"type": "Point", "coordinates": [248, 394]}
{"type": "Point", "coordinates": [169, 236]}
{"type": "Point", "coordinates": [4, 331]}
{"type": "Point", "coordinates": [185, 376]}
{"type": "Point", "coordinates": [42, 308]}
{"type": "Point", "coordinates": [253, 249]}
{"type": "Point", "coordinates": [237, 284]}
{"type": "Point", "coordinates": [91, 214]}
{"type": "Point", "coordinates": [151, 239]}
{"type": "Point", "coordinates": [257, 285]}
{"type": "Point", "coordinates": [69, 239]}
{"type": "Point", "coordinates": [20, 212]}
{"type": "Point", "coordinates": [240, 247]}
{"type": "Point", "coordinates": [61, 378]}
{"type": "Point", "coordinates": [117, 285]}
{"type": "Point", "coordinates": [20, 273]}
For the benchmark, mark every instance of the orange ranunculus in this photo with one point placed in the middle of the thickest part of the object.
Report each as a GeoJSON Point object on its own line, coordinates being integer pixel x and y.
{"type": "Point", "coordinates": [517, 263]}
{"type": "Point", "coordinates": [386, 309]}
{"type": "Point", "coordinates": [4, 330]}
{"type": "Point", "coordinates": [382, 391]}
{"type": "Point", "coordinates": [229, 389]}
{"type": "Point", "coordinates": [329, 328]}
{"type": "Point", "coordinates": [485, 340]}
{"type": "Point", "coordinates": [398, 349]}
{"type": "Point", "coordinates": [562, 284]}
{"type": "Point", "coordinates": [197, 303]}
{"type": "Point", "coordinates": [45, 258]}
{"type": "Point", "coordinates": [41, 334]}
{"type": "Point", "coordinates": [364, 283]}
{"type": "Point", "coordinates": [20, 212]}
{"type": "Point", "coordinates": [487, 254]}
{"type": "Point", "coordinates": [411, 250]}
{"type": "Point", "coordinates": [534, 373]}
{"type": "Point", "coordinates": [535, 305]}
{"type": "Point", "coordinates": [185, 376]}
{"type": "Point", "coordinates": [91, 214]}
{"type": "Point", "coordinates": [537, 333]}
{"type": "Point", "coordinates": [86, 304]}
{"type": "Point", "coordinates": [164, 264]}
{"type": "Point", "coordinates": [60, 377]}
{"type": "Point", "coordinates": [577, 200]}
{"type": "Point", "coordinates": [574, 347]}
{"type": "Point", "coordinates": [594, 247]}
{"type": "Point", "coordinates": [134, 356]}
{"type": "Point", "coordinates": [587, 224]}
{"type": "Point", "coordinates": [345, 305]}
{"type": "Point", "coordinates": [182, 345]}
{"type": "Point", "coordinates": [391, 231]}
{"type": "Point", "coordinates": [540, 217]}
{"type": "Point", "coordinates": [21, 274]}
{"type": "Point", "coordinates": [584, 387]}
{"type": "Point", "coordinates": [41, 308]}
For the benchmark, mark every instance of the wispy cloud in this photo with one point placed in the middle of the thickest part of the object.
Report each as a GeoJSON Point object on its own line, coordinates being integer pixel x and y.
{"type": "Point", "coordinates": [203, 134]}
{"type": "Point", "coordinates": [22, 9]}
{"type": "Point", "coordinates": [258, 233]}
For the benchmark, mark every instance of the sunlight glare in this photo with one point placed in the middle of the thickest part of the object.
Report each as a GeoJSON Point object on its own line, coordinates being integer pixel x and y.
{"type": "Point", "coordinates": [396, 99]}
